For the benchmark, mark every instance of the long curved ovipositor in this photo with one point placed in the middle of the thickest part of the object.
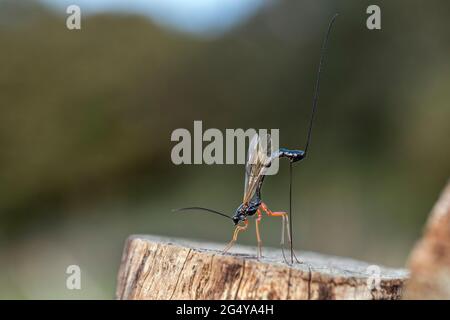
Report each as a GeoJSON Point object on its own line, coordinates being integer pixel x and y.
{"type": "Point", "coordinates": [298, 155]}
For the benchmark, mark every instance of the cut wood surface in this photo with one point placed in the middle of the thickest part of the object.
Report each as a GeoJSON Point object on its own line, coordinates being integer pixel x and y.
{"type": "Point", "coordinates": [429, 262]}
{"type": "Point", "coordinates": [164, 268]}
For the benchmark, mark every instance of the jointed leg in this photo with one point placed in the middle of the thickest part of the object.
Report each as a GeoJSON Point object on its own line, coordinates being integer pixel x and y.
{"type": "Point", "coordinates": [281, 214]}
{"type": "Point", "coordinates": [235, 235]}
{"type": "Point", "coordinates": [289, 238]}
{"type": "Point", "coordinates": [284, 224]}
{"type": "Point", "coordinates": [258, 237]}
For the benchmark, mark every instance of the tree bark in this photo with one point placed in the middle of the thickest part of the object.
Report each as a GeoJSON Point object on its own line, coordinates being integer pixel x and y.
{"type": "Point", "coordinates": [429, 262]}
{"type": "Point", "coordinates": [163, 268]}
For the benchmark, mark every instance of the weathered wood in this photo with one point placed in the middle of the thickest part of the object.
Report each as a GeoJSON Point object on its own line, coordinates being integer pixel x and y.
{"type": "Point", "coordinates": [162, 268]}
{"type": "Point", "coordinates": [429, 262]}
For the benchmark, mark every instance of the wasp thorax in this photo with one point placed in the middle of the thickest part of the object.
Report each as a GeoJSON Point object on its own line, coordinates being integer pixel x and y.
{"type": "Point", "coordinates": [240, 214]}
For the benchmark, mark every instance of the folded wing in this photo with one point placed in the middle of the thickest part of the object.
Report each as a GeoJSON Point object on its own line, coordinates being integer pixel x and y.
{"type": "Point", "coordinates": [258, 160]}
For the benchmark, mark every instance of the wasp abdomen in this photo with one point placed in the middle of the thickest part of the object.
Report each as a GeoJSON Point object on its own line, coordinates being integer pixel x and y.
{"type": "Point", "coordinates": [292, 155]}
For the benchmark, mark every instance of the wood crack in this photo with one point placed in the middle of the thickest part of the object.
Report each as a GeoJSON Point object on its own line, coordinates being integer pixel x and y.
{"type": "Point", "coordinates": [148, 273]}
{"type": "Point", "coordinates": [309, 282]}
{"type": "Point", "coordinates": [179, 270]}
{"type": "Point", "coordinates": [125, 278]}
{"type": "Point", "coordinates": [180, 274]}
{"type": "Point", "coordinates": [141, 266]}
{"type": "Point", "coordinates": [240, 280]}
{"type": "Point", "coordinates": [289, 284]}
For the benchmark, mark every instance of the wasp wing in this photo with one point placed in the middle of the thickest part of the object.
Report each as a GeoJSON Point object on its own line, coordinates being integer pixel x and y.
{"type": "Point", "coordinates": [250, 164]}
{"type": "Point", "coordinates": [258, 160]}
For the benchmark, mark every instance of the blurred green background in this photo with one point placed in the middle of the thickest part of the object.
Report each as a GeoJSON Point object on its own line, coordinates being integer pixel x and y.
{"type": "Point", "coordinates": [86, 118]}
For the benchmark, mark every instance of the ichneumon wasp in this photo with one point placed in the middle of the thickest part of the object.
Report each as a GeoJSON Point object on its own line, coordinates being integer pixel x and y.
{"type": "Point", "coordinates": [259, 158]}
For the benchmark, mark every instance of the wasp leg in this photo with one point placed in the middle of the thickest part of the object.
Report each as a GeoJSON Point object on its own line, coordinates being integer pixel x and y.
{"type": "Point", "coordinates": [235, 235]}
{"type": "Point", "coordinates": [282, 215]}
{"type": "Point", "coordinates": [284, 225]}
{"type": "Point", "coordinates": [286, 218]}
{"type": "Point", "coordinates": [258, 236]}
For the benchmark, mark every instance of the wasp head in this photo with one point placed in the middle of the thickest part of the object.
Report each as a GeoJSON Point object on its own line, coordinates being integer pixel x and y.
{"type": "Point", "coordinates": [245, 210]}
{"type": "Point", "coordinates": [240, 214]}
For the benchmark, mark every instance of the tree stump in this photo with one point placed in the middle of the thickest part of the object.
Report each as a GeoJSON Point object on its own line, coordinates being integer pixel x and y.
{"type": "Point", "coordinates": [163, 268]}
{"type": "Point", "coordinates": [429, 262]}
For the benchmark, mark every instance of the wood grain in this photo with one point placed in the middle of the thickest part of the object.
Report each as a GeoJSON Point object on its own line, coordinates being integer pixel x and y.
{"type": "Point", "coordinates": [163, 268]}
{"type": "Point", "coordinates": [429, 262]}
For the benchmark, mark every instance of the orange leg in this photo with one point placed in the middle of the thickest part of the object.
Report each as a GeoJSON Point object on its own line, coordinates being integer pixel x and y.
{"type": "Point", "coordinates": [258, 236]}
{"type": "Point", "coordinates": [281, 214]}
{"type": "Point", "coordinates": [284, 224]}
{"type": "Point", "coordinates": [235, 235]}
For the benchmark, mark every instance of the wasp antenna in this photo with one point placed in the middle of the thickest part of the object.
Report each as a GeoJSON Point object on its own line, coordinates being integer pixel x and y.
{"type": "Point", "coordinates": [317, 85]}
{"type": "Point", "coordinates": [202, 209]}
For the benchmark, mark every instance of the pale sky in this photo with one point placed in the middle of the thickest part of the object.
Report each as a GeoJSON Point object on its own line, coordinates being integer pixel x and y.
{"type": "Point", "coordinates": [195, 16]}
